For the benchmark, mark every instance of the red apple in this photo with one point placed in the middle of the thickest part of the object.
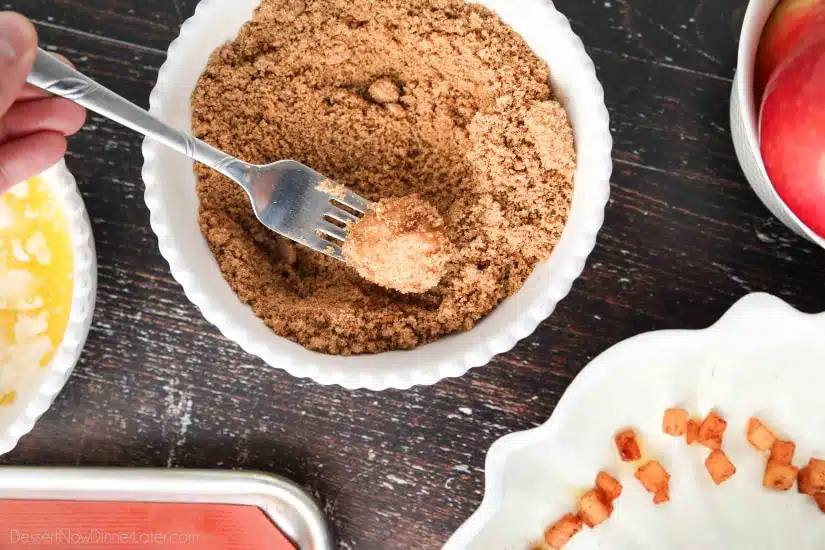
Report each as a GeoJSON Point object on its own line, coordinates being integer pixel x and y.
{"type": "Point", "coordinates": [789, 24]}
{"type": "Point", "coordinates": [792, 133]}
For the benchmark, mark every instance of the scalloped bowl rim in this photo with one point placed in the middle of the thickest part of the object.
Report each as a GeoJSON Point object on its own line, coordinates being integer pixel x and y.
{"type": "Point", "coordinates": [430, 363]}
{"type": "Point", "coordinates": [501, 450]}
{"type": "Point", "coordinates": [55, 375]}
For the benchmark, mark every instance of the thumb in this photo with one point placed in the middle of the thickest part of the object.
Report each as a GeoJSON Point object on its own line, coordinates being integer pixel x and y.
{"type": "Point", "coordinates": [18, 46]}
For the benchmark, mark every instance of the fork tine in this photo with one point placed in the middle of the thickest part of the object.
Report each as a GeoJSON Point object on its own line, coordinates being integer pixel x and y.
{"type": "Point", "coordinates": [334, 251]}
{"type": "Point", "coordinates": [355, 202]}
{"type": "Point", "coordinates": [332, 230]}
{"type": "Point", "coordinates": [324, 247]}
{"type": "Point", "coordinates": [340, 215]}
{"type": "Point", "coordinates": [297, 202]}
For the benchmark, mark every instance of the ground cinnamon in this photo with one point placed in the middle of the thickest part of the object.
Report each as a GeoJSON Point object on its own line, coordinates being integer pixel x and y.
{"type": "Point", "coordinates": [435, 97]}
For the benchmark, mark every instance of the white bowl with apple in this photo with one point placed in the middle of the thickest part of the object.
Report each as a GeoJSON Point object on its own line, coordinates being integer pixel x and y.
{"type": "Point", "coordinates": [778, 110]}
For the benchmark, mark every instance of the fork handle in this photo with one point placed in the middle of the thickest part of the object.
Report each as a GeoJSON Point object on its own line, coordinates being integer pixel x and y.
{"type": "Point", "coordinates": [56, 77]}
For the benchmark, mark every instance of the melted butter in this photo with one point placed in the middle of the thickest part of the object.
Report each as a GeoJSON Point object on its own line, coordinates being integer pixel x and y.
{"type": "Point", "coordinates": [36, 281]}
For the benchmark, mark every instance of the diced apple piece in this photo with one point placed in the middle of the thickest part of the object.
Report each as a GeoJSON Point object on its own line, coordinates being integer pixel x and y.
{"type": "Point", "coordinates": [628, 446]}
{"type": "Point", "coordinates": [609, 486]}
{"type": "Point", "coordinates": [593, 510]}
{"type": "Point", "coordinates": [675, 422]}
{"type": "Point", "coordinates": [779, 477]}
{"type": "Point", "coordinates": [719, 466]}
{"type": "Point", "coordinates": [661, 496]}
{"type": "Point", "coordinates": [692, 432]}
{"type": "Point", "coordinates": [782, 452]}
{"type": "Point", "coordinates": [655, 479]}
{"type": "Point", "coordinates": [559, 534]}
{"type": "Point", "coordinates": [760, 436]}
{"type": "Point", "coordinates": [712, 430]}
{"type": "Point", "coordinates": [817, 473]}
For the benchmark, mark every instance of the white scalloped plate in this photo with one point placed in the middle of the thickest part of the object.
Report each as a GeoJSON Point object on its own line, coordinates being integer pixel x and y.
{"type": "Point", "coordinates": [171, 198]}
{"type": "Point", "coordinates": [41, 388]}
{"type": "Point", "coordinates": [762, 358]}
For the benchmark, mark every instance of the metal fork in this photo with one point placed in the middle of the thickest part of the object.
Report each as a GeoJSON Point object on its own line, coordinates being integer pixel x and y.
{"type": "Point", "coordinates": [289, 198]}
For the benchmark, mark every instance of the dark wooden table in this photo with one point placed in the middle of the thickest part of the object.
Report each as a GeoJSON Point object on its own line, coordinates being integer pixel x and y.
{"type": "Point", "coordinates": [685, 237]}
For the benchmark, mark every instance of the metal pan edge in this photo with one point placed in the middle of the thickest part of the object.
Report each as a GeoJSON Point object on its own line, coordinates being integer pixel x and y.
{"type": "Point", "coordinates": [287, 504]}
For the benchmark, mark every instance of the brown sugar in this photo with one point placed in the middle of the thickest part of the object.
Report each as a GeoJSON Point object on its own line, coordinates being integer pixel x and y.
{"type": "Point", "coordinates": [400, 244]}
{"type": "Point", "coordinates": [475, 131]}
{"type": "Point", "coordinates": [384, 91]}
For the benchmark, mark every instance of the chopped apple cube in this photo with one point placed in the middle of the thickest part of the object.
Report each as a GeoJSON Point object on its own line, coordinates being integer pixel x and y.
{"type": "Point", "coordinates": [559, 534]}
{"type": "Point", "coordinates": [675, 422]}
{"type": "Point", "coordinates": [719, 466]}
{"type": "Point", "coordinates": [712, 430]}
{"type": "Point", "coordinates": [628, 446]}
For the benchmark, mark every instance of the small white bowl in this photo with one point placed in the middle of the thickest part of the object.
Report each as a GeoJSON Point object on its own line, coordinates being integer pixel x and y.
{"type": "Point", "coordinates": [744, 119]}
{"type": "Point", "coordinates": [762, 358]}
{"type": "Point", "coordinates": [171, 198]}
{"type": "Point", "coordinates": [39, 390]}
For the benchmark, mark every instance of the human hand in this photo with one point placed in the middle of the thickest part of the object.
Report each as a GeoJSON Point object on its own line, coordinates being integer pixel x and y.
{"type": "Point", "coordinates": [33, 125]}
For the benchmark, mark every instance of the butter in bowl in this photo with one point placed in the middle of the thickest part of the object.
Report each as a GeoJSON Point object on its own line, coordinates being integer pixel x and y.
{"type": "Point", "coordinates": [48, 275]}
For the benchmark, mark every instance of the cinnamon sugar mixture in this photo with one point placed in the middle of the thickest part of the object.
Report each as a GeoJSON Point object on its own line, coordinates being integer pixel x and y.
{"type": "Point", "coordinates": [400, 244]}
{"type": "Point", "coordinates": [391, 98]}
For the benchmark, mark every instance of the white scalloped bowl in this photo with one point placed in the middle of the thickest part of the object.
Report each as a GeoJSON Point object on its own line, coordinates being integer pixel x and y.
{"type": "Point", "coordinates": [171, 198]}
{"type": "Point", "coordinates": [762, 358]}
{"type": "Point", "coordinates": [39, 390]}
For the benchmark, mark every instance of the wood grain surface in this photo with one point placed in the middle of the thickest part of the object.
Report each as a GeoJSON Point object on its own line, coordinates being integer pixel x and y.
{"type": "Point", "coordinates": [685, 237]}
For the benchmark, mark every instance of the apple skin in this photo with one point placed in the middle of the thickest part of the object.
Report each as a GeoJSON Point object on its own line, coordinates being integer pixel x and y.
{"type": "Point", "coordinates": [792, 133]}
{"type": "Point", "coordinates": [790, 23]}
